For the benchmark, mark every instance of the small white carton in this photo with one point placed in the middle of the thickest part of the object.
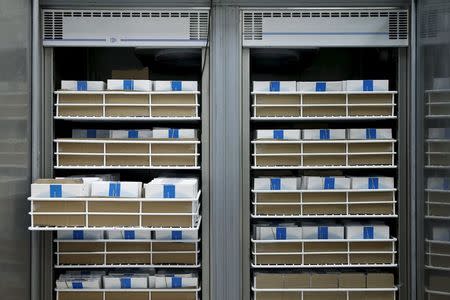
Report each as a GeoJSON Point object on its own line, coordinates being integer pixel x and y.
{"type": "Point", "coordinates": [324, 134]}
{"type": "Point", "coordinates": [441, 233]}
{"type": "Point", "coordinates": [163, 187]}
{"type": "Point", "coordinates": [276, 183]}
{"type": "Point", "coordinates": [130, 281]}
{"type": "Point", "coordinates": [129, 85]}
{"type": "Point", "coordinates": [90, 134]}
{"type": "Point", "coordinates": [372, 183]}
{"type": "Point", "coordinates": [80, 282]}
{"type": "Point", "coordinates": [116, 189]}
{"type": "Point", "coordinates": [319, 86]}
{"type": "Point", "coordinates": [366, 85]}
{"type": "Point", "coordinates": [278, 134]}
{"type": "Point", "coordinates": [80, 234]}
{"type": "Point", "coordinates": [169, 235]}
{"type": "Point", "coordinates": [312, 183]}
{"type": "Point", "coordinates": [274, 86]}
{"type": "Point", "coordinates": [175, 281]}
{"type": "Point", "coordinates": [131, 134]}
{"type": "Point", "coordinates": [442, 83]}
{"type": "Point", "coordinates": [82, 85]}
{"type": "Point", "coordinates": [174, 133]}
{"type": "Point", "coordinates": [128, 234]}
{"type": "Point", "coordinates": [59, 188]}
{"type": "Point", "coordinates": [364, 232]}
{"type": "Point", "coordinates": [439, 133]}
{"type": "Point", "coordinates": [370, 134]}
{"type": "Point", "coordinates": [438, 183]}
{"type": "Point", "coordinates": [325, 183]}
{"type": "Point", "coordinates": [174, 85]}
{"type": "Point", "coordinates": [323, 232]}
{"type": "Point", "coordinates": [278, 233]}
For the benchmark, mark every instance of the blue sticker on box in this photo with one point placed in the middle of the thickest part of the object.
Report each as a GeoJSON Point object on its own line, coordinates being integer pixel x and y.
{"type": "Point", "coordinates": [447, 133]}
{"type": "Point", "coordinates": [373, 183]}
{"type": "Point", "coordinates": [329, 183]}
{"type": "Point", "coordinates": [85, 272]}
{"type": "Point", "coordinates": [78, 235]}
{"type": "Point", "coordinates": [278, 134]}
{"type": "Point", "coordinates": [371, 133]}
{"type": "Point", "coordinates": [322, 233]}
{"type": "Point", "coordinates": [133, 134]}
{"type": "Point", "coordinates": [81, 85]}
{"type": "Point", "coordinates": [446, 183]}
{"type": "Point", "coordinates": [114, 189]}
{"type": "Point", "coordinates": [281, 233]}
{"type": "Point", "coordinates": [275, 184]}
{"type": "Point", "coordinates": [129, 234]}
{"type": "Point", "coordinates": [169, 191]}
{"type": "Point", "coordinates": [274, 86]}
{"type": "Point", "coordinates": [91, 133]}
{"type": "Point", "coordinates": [321, 86]}
{"type": "Point", "coordinates": [77, 284]}
{"type": "Point", "coordinates": [324, 134]}
{"type": "Point", "coordinates": [55, 191]}
{"type": "Point", "coordinates": [177, 235]}
{"type": "Point", "coordinates": [125, 283]}
{"type": "Point", "coordinates": [176, 282]}
{"type": "Point", "coordinates": [176, 85]}
{"type": "Point", "coordinates": [368, 232]}
{"type": "Point", "coordinates": [128, 85]}
{"type": "Point", "coordinates": [174, 133]}
{"type": "Point", "coordinates": [368, 85]}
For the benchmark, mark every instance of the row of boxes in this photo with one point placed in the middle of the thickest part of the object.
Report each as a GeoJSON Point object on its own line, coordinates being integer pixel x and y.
{"type": "Point", "coordinates": [325, 134]}
{"type": "Point", "coordinates": [321, 86]}
{"type": "Point", "coordinates": [156, 133]}
{"type": "Point", "coordinates": [306, 232]}
{"type": "Point", "coordinates": [130, 85]}
{"type": "Point", "coordinates": [161, 187]}
{"type": "Point", "coordinates": [162, 235]}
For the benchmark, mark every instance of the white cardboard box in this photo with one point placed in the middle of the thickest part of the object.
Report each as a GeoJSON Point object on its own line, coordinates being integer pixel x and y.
{"type": "Point", "coordinates": [274, 86]}
{"type": "Point", "coordinates": [372, 183]}
{"type": "Point", "coordinates": [325, 183]}
{"type": "Point", "coordinates": [191, 235]}
{"type": "Point", "coordinates": [319, 86]}
{"type": "Point", "coordinates": [163, 187]}
{"type": "Point", "coordinates": [129, 85]}
{"type": "Point", "coordinates": [128, 234]}
{"type": "Point", "coordinates": [438, 183]}
{"type": "Point", "coordinates": [90, 134]}
{"type": "Point", "coordinates": [59, 188]}
{"type": "Point", "coordinates": [125, 282]}
{"type": "Point", "coordinates": [278, 233]}
{"type": "Point", "coordinates": [312, 183]}
{"type": "Point", "coordinates": [323, 232]}
{"type": "Point", "coordinates": [131, 134]}
{"type": "Point", "coordinates": [174, 133]}
{"type": "Point", "coordinates": [175, 85]}
{"type": "Point", "coordinates": [441, 233]}
{"type": "Point", "coordinates": [442, 83]}
{"type": "Point", "coordinates": [116, 189]}
{"type": "Point", "coordinates": [176, 281]}
{"type": "Point", "coordinates": [359, 232]}
{"type": "Point", "coordinates": [80, 234]}
{"type": "Point", "coordinates": [276, 183]}
{"type": "Point", "coordinates": [366, 85]}
{"type": "Point", "coordinates": [79, 283]}
{"type": "Point", "coordinates": [439, 133]}
{"type": "Point", "coordinates": [278, 134]}
{"type": "Point", "coordinates": [324, 134]}
{"type": "Point", "coordinates": [81, 85]}
{"type": "Point", "coordinates": [370, 134]}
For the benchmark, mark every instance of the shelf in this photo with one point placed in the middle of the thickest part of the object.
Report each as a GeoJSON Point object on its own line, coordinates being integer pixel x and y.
{"type": "Point", "coordinates": [81, 118]}
{"type": "Point", "coordinates": [135, 294]}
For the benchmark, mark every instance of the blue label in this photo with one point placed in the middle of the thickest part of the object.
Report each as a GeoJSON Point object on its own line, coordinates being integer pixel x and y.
{"type": "Point", "coordinates": [329, 183]}
{"type": "Point", "coordinates": [114, 189]}
{"type": "Point", "coordinates": [129, 234]}
{"type": "Point", "coordinates": [91, 133]}
{"type": "Point", "coordinates": [128, 85]}
{"type": "Point", "coordinates": [368, 85]}
{"type": "Point", "coordinates": [174, 133]}
{"type": "Point", "coordinates": [447, 133]}
{"type": "Point", "coordinates": [446, 183]}
{"type": "Point", "coordinates": [324, 134]}
{"type": "Point", "coordinates": [55, 191]}
{"type": "Point", "coordinates": [371, 133]}
{"type": "Point", "coordinates": [274, 86]}
{"type": "Point", "coordinates": [275, 184]}
{"type": "Point", "coordinates": [78, 235]}
{"type": "Point", "coordinates": [169, 191]}
{"type": "Point", "coordinates": [322, 233]}
{"type": "Point", "coordinates": [81, 85]}
{"type": "Point", "coordinates": [321, 86]}
{"type": "Point", "coordinates": [368, 232]}
{"type": "Point", "coordinates": [176, 282]}
{"type": "Point", "coordinates": [278, 134]}
{"type": "Point", "coordinates": [125, 283]}
{"type": "Point", "coordinates": [133, 134]}
{"type": "Point", "coordinates": [281, 233]}
{"type": "Point", "coordinates": [177, 235]}
{"type": "Point", "coordinates": [176, 85]}
{"type": "Point", "coordinates": [77, 285]}
{"type": "Point", "coordinates": [85, 272]}
{"type": "Point", "coordinates": [373, 183]}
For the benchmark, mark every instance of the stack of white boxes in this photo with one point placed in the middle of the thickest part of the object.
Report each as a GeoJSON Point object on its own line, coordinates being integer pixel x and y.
{"type": "Point", "coordinates": [369, 85]}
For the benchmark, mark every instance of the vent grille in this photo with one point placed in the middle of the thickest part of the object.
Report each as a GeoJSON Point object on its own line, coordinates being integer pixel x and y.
{"type": "Point", "coordinates": [398, 25]}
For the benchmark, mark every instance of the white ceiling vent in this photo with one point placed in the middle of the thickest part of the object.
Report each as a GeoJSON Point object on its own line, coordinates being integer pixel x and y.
{"type": "Point", "coordinates": [125, 28]}
{"type": "Point", "coordinates": [325, 28]}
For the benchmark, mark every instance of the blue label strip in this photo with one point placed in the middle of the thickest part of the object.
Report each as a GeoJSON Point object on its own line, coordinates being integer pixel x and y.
{"type": "Point", "coordinates": [77, 285]}
{"type": "Point", "coordinates": [91, 133]}
{"type": "Point", "coordinates": [129, 234]}
{"type": "Point", "coordinates": [321, 86]}
{"type": "Point", "coordinates": [281, 233]}
{"type": "Point", "coordinates": [274, 86]}
{"type": "Point", "coordinates": [373, 183]}
{"type": "Point", "coordinates": [174, 133]}
{"type": "Point", "coordinates": [322, 233]}
{"type": "Point", "coordinates": [275, 184]}
{"type": "Point", "coordinates": [55, 191]}
{"type": "Point", "coordinates": [176, 282]}
{"type": "Point", "coordinates": [176, 85]}
{"type": "Point", "coordinates": [169, 191]}
{"type": "Point", "coordinates": [371, 133]}
{"type": "Point", "coordinates": [114, 189]}
{"type": "Point", "coordinates": [278, 134]}
{"type": "Point", "coordinates": [446, 184]}
{"type": "Point", "coordinates": [128, 85]}
{"type": "Point", "coordinates": [368, 85]}
{"type": "Point", "coordinates": [81, 85]}
{"type": "Point", "coordinates": [324, 134]}
{"type": "Point", "coordinates": [177, 235]}
{"type": "Point", "coordinates": [329, 183]}
{"type": "Point", "coordinates": [125, 283]}
{"type": "Point", "coordinates": [133, 134]}
{"type": "Point", "coordinates": [78, 235]}
{"type": "Point", "coordinates": [368, 232]}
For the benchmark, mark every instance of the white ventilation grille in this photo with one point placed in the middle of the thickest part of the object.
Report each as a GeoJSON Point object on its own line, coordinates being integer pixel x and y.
{"type": "Point", "coordinates": [124, 28]}
{"type": "Point", "coordinates": [435, 25]}
{"type": "Point", "coordinates": [326, 28]}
